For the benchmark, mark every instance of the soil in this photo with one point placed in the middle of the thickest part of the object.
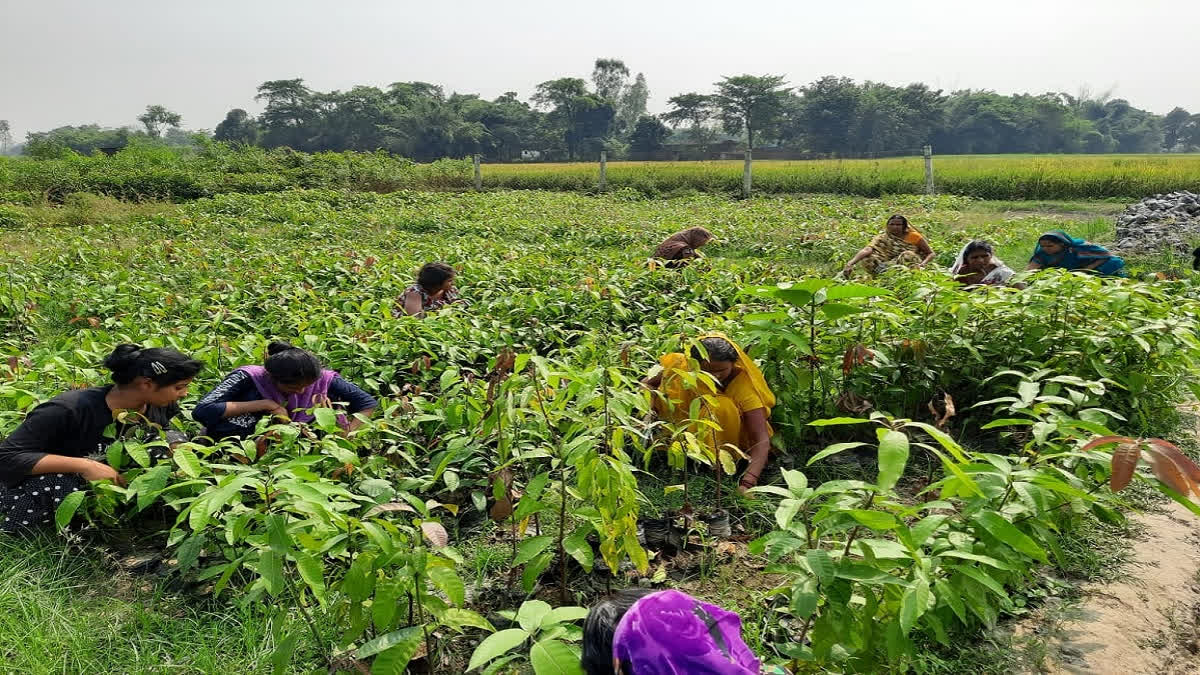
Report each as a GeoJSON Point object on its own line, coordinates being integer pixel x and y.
{"type": "Point", "coordinates": [1148, 621]}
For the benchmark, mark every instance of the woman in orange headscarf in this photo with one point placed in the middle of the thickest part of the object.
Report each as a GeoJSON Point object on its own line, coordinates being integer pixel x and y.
{"type": "Point", "coordinates": [679, 248]}
{"type": "Point", "coordinates": [899, 244]}
{"type": "Point", "coordinates": [734, 395]}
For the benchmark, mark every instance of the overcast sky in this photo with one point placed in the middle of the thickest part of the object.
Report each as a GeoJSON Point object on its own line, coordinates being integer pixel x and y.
{"type": "Point", "coordinates": [88, 61]}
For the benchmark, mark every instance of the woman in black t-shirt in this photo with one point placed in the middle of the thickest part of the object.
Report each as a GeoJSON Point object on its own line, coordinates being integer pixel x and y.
{"type": "Point", "coordinates": [50, 455]}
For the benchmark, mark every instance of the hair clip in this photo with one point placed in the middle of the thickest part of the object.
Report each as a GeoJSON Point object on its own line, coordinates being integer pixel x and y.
{"type": "Point", "coordinates": [157, 367]}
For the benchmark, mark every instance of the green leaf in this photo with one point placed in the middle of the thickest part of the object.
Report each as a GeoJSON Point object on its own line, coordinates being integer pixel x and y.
{"type": "Point", "coordinates": [270, 568]}
{"type": "Point", "coordinates": [312, 571]}
{"type": "Point", "coordinates": [139, 454]}
{"type": "Point", "coordinates": [564, 615]}
{"type": "Point", "coordinates": [66, 510]}
{"type": "Point", "coordinates": [893, 456]}
{"type": "Point", "coordinates": [187, 461]}
{"type": "Point", "coordinates": [835, 310]}
{"type": "Point", "coordinates": [449, 582]}
{"type": "Point", "coordinates": [998, 527]}
{"type": "Point", "coordinates": [495, 645]}
{"type": "Point", "coordinates": [531, 613]}
{"type": "Point", "coordinates": [326, 418]}
{"type": "Point", "coordinates": [552, 657]}
{"type": "Point", "coordinates": [804, 601]}
{"type": "Point", "coordinates": [833, 450]}
{"type": "Point", "coordinates": [846, 291]}
{"type": "Point", "coordinates": [382, 643]}
{"type": "Point", "coordinates": [281, 658]}
{"type": "Point", "coordinates": [821, 564]}
{"type": "Point", "coordinates": [1007, 422]}
{"type": "Point", "coordinates": [277, 534]}
{"type": "Point", "coordinates": [578, 547]}
{"type": "Point", "coordinates": [913, 604]}
{"type": "Point", "coordinates": [115, 454]}
{"type": "Point", "coordinates": [982, 577]}
{"type": "Point", "coordinates": [530, 548]}
{"type": "Point", "coordinates": [952, 600]}
{"type": "Point", "coordinates": [459, 618]}
{"type": "Point", "coordinates": [835, 421]}
{"type": "Point", "coordinates": [876, 520]}
{"type": "Point", "coordinates": [533, 570]}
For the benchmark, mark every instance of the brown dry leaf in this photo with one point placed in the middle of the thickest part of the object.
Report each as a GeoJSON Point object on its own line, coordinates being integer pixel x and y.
{"type": "Point", "coordinates": [1124, 461]}
{"type": "Point", "coordinates": [390, 507]}
{"type": "Point", "coordinates": [727, 548]}
{"type": "Point", "coordinates": [501, 510]}
{"type": "Point", "coordinates": [1181, 460]}
{"type": "Point", "coordinates": [435, 534]}
{"type": "Point", "coordinates": [625, 347]}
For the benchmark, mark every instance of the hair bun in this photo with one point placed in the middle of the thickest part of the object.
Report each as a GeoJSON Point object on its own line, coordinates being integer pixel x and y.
{"type": "Point", "coordinates": [279, 346]}
{"type": "Point", "coordinates": [122, 356]}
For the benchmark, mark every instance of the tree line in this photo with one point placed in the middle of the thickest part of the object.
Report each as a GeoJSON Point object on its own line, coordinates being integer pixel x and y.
{"type": "Point", "coordinates": [571, 118]}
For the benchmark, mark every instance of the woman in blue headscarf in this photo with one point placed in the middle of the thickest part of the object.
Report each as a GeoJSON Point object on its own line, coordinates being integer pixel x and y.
{"type": "Point", "coordinates": [1059, 249]}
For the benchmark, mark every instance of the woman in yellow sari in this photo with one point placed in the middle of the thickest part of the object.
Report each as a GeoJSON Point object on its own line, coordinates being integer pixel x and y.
{"type": "Point", "coordinates": [740, 403]}
{"type": "Point", "coordinates": [899, 244]}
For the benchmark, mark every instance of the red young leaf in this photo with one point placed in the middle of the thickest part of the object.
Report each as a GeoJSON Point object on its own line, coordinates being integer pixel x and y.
{"type": "Point", "coordinates": [1181, 460]}
{"type": "Point", "coordinates": [436, 534]}
{"type": "Point", "coordinates": [1124, 461]}
{"type": "Point", "coordinates": [1106, 440]}
{"type": "Point", "coordinates": [1171, 475]}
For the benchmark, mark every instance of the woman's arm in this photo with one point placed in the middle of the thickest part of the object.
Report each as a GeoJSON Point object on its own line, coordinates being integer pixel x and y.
{"type": "Point", "coordinates": [926, 250]}
{"type": "Point", "coordinates": [1098, 263]}
{"type": "Point", "coordinates": [412, 303]}
{"type": "Point", "coordinates": [217, 405]}
{"type": "Point", "coordinates": [755, 422]}
{"type": "Point", "coordinates": [864, 252]}
{"type": "Point", "coordinates": [89, 469]}
{"type": "Point", "coordinates": [356, 400]}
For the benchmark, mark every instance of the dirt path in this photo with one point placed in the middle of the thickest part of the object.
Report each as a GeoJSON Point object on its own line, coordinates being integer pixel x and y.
{"type": "Point", "coordinates": [1149, 621]}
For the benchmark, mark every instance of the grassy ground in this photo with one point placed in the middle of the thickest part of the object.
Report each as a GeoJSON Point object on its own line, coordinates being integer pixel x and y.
{"type": "Point", "coordinates": [65, 608]}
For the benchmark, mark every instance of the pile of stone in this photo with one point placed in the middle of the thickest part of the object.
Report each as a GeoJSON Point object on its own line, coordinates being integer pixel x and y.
{"type": "Point", "coordinates": [1170, 221]}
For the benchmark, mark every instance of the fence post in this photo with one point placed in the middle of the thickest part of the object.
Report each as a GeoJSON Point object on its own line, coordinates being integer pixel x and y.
{"type": "Point", "coordinates": [478, 173]}
{"type": "Point", "coordinates": [747, 179]}
{"type": "Point", "coordinates": [603, 170]}
{"type": "Point", "coordinates": [928, 169]}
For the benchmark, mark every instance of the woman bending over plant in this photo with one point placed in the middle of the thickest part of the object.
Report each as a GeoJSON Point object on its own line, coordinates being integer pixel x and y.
{"type": "Point", "coordinates": [977, 265]}
{"type": "Point", "coordinates": [680, 248]}
{"type": "Point", "coordinates": [898, 244]}
{"type": "Point", "coordinates": [434, 289]}
{"type": "Point", "coordinates": [289, 383]}
{"type": "Point", "coordinates": [53, 453]}
{"type": "Point", "coordinates": [1059, 249]}
{"type": "Point", "coordinates": [737, 399]}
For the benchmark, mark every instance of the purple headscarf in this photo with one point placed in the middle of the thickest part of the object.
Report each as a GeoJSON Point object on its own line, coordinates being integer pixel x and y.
{"type": "Point", "coordinates": [672, 633]}
{"type": "Point", "coordinates": [297, 405]}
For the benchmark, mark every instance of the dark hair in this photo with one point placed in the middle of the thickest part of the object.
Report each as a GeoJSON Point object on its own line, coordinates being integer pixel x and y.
{"type": "Point", "coordinates": [719, 349]}
{"type": "Point", "coordinates": [291, 365]}
{"type": "Point", "coordinates": [978, 245]}
{"type": "Point", "coordinates": [162, 366]}
{"type": "Point", "coordinates": [902, 219]}
{"type": "Point", "coordinates": [434, 274]}
{"type": "Point", "coordinates": [599, 626]}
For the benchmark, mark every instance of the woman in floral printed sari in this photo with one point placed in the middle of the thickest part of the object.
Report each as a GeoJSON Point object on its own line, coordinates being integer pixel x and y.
{"type": "Point", "coordinates": [899, 244]}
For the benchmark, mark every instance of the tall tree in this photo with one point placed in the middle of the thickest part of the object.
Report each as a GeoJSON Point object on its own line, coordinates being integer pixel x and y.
{"type": "Point", "coordinates": [288, 111]}
{"type": "Point", "coordinates": [237, 127]}
{"type": "Point", "coordinates": [750, 103]}
{"type": "Point", "coordinates": [610, 77]}
{"type": "Point", "coordinates": [694, 110]}
{"type": "Point", "coordinates": [633, 102]}
{"type": "Point", "coordinates": [156, 117]}
{"type": "Point", "coordinates": [5, 136]}
{"type": "Point", "coordinates": [566, 97]}
{"type": "Point", "coordinates": [1173, 126]}
{"type": "Point", "coordinates": [648, 134]}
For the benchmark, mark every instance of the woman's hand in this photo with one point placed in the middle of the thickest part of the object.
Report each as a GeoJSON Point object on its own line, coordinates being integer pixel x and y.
{"type": "Point", "coordinates": [91, 470]}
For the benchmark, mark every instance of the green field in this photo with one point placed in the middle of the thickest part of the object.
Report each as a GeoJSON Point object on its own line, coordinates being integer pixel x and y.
{"type": "Point", "coordinates": [982, 176]}
{"type": "Point", "coordinates": [146, 173]}
{"type": "Point", "coordinates": [902, 551]}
